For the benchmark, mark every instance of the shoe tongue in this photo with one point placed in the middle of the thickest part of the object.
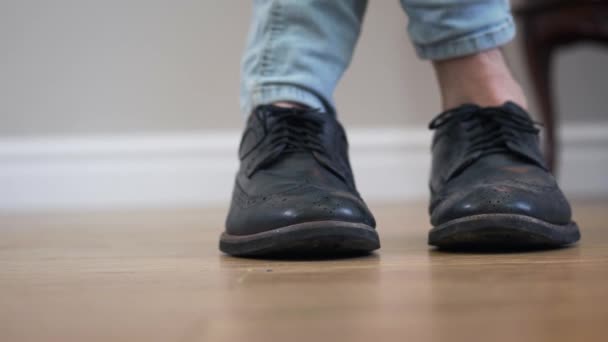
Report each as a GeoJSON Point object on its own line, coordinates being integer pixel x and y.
{"type": "Point", "coordinates": [270, 111]}
{"type": "Point", "coordinates": [271, 114]}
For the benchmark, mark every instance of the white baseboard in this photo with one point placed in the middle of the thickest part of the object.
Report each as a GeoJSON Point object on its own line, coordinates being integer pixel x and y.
{"type": "Point", "coordinates": [197, 169]}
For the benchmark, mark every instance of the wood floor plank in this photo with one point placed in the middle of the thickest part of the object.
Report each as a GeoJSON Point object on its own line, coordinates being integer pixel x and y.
{"type": "Point", "coordinates": [158, 276]}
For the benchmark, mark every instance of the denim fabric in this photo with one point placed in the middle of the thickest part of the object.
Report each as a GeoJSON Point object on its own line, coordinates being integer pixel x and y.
{"type": "Point", "coordinates": [297, 50]}
{"type": "Point", "coordinates": [442, 29]}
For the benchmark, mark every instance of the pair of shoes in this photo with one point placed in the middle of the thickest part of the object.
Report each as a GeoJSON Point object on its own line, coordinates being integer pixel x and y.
{"type": "Point", "coordinates": [295, 192]}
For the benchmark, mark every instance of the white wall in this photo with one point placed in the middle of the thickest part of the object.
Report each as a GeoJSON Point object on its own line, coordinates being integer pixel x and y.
{"type": "Point", "coordinates": [83, 66]}
{"type": "Point", "coordinates": [134, 103]}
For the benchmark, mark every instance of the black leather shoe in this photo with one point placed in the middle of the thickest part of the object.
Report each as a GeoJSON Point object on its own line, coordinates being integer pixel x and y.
{"type": "Point", "coordinates": [294, 192]}
{"type": "Point", "coordinates": [489, 183]}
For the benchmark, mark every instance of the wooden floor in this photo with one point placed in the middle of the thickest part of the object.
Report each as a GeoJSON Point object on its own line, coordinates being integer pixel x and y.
{"type": "Point", "coordinates": [158, 276]}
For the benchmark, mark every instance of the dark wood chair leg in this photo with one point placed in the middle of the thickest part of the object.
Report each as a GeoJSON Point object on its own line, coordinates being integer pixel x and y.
{"type": "Point", "coordinates": [539, 57]}
{"type": "Point", "coordinates": [546, 27]}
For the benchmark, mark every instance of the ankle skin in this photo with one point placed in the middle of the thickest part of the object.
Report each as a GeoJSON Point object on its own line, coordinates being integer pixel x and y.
{"type": "Point", "coordinates": [483, 79]}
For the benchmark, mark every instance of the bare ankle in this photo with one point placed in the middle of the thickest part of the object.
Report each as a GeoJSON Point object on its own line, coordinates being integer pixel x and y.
{"type": "Point", "coordinates": [482, 79]}
{"type": "Point", "coordinates": [289, 104]}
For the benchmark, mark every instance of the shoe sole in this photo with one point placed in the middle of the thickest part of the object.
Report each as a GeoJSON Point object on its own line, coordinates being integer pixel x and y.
{"type": "Point", "coordinates": [320, 238]}
{"type": "Point", "coordinates": [507, 231]}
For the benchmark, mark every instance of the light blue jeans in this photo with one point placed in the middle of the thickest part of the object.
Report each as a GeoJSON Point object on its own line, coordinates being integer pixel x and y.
{"type": "Point", "coordinates": [297, 50]}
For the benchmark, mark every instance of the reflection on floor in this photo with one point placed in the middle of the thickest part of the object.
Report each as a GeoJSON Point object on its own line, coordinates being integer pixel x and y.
{"type": "Point", "coordinates": [158, 276]}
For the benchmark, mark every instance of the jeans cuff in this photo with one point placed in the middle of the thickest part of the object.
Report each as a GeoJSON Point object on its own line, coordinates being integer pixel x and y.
{"type": "Point", "coordinates": [269, 93]}
{"type": "Point", "coordinates": [486, 39]}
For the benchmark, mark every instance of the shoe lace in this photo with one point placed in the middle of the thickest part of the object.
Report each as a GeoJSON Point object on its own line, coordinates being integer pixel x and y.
{"type": "Point", "coordinates": [293, 131]}
{"type": "Point", "coordinates": [489, 130]}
